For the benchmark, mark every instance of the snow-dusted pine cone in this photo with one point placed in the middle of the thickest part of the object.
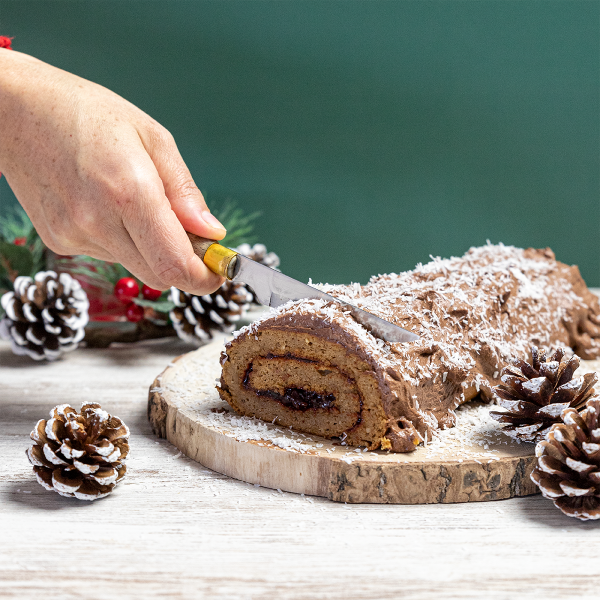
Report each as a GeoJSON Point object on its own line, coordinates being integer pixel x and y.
{"type": "Point", "coordinates": [534, 395]}
{"type": "Point", "coordinates": [259, 253]}
{"type": "Point", "coordinates": [196, 317]}
{"type": "Point", "coordinates": [568, 469]}
{"type": "Point", "coordinates": [79, 454]}
{"type": "Point", "coordinates": [45, 316]}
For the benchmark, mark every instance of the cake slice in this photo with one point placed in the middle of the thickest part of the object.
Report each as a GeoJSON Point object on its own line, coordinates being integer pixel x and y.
{"type": "Point", "coordinates": [310, 366]}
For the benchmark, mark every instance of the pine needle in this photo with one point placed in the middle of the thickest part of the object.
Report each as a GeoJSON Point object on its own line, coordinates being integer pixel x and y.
{"type": "Point", "coordinates": [239, 224]}
{"type": "Point", "coordinates": [93, 271]}
{"type": "Point", "coordinates": [16, 225]}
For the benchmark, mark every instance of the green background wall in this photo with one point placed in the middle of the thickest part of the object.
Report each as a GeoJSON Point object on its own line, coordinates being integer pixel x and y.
{"type": "Point", "coordinates": [409, 127]}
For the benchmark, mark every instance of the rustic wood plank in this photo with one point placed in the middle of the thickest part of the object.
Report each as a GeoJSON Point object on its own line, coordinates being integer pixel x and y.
{"type": "Point", "coordinates": [176, 529]}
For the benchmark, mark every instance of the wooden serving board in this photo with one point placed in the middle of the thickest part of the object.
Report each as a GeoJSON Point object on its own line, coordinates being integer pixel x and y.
{"type": "Point", "coordinates": [473, 461]}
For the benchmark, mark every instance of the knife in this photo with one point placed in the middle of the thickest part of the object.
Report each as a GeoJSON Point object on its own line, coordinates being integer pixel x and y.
{"type": "Point", "coordinates": [273, 288]}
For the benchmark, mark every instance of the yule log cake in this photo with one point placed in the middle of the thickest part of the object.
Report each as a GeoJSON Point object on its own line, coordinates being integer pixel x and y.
{"type": "Point", "coordinates": [311, 366]}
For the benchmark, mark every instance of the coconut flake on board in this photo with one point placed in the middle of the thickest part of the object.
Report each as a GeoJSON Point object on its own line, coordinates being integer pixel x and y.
{"type": "Point", "coordinates": [476, 435]}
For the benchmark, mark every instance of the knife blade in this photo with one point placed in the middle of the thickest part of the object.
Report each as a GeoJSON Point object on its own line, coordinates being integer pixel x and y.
{"type": "Point", "coordinates": [273, 288]}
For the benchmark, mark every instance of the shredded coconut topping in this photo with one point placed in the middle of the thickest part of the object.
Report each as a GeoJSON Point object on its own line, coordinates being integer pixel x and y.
{"type": "Point", "coordinates": [473, 315]}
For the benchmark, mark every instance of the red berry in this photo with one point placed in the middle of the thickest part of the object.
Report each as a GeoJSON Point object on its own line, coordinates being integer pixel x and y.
{"type": "Point", "coordinates": [127, 289]}
{"type": "Point", "coordinates": [20, 241]}
{"type": "Point", "coordinates": [150, 293]}
{"type": "Point", "coordinates": [134, 313]}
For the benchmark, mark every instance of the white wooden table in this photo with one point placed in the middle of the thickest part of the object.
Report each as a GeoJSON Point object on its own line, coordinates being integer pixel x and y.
{"type": "Point", "coordinates": [173, 529]}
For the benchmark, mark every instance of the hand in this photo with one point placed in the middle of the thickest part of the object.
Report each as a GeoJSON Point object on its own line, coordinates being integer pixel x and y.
{"type": "Point", "coordinates": [98, 176]}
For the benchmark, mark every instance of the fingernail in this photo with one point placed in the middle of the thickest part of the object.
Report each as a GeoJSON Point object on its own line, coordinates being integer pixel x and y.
{"type": "Point", "coordinates": [211, 220]}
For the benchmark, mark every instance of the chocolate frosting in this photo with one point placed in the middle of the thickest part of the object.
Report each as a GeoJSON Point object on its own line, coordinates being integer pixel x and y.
{"type": "Point", "coordinates": [473, 314]}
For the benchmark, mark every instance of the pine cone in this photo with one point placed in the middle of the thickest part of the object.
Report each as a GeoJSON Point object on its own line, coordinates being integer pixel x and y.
{"type": "Point", "coordinates": [45, 316]}
{"type": "Point", "coordinates": [79, 454]}
{"type": "Point", "coordinates": [196, 317]}
{"type": "Point", "coordinates": [534, 395]}
{"type": "Point", "coordinates": [259, 253]}
{"type": "Point", "coordinates": [568, 469]}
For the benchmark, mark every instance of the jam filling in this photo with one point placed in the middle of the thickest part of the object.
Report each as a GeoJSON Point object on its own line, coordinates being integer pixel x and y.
{"type": "Point", "coordinates": [294, 398]}
{"type": "Point", "coordinates": [299, 398]}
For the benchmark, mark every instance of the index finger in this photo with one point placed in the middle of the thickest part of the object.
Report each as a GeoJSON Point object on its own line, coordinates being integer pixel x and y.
{"type": "Point", "coordinates": [184, 196]}
{"type": "Point", "coordinates": [163, 242]}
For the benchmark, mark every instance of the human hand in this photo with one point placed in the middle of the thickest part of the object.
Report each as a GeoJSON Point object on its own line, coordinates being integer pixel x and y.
{"type": "Point", "coordinates": [98, 176]}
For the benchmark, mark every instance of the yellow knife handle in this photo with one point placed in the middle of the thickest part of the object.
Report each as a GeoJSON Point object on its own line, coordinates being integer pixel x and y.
{"type": "Point", "coordinates": [217, 258]}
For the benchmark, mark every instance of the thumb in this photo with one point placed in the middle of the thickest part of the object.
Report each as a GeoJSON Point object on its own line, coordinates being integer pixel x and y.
{"type": "Point", "coordinates": [186, 199]}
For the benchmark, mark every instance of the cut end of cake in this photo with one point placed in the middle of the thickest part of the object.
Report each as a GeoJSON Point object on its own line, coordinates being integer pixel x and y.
{"type": "Point", "coordinates": [300, 377]}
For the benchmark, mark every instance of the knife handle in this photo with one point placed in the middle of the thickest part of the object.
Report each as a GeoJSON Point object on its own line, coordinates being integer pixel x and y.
{"type": "Point", "coordinates": [217, 258]}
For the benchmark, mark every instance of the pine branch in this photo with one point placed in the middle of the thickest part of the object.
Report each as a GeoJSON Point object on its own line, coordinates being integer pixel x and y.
{"type": "Point", "coordinates": [239, 225]}
{"type": "Point", "coordinates": [16, 225]}
{"type": "Point", "coordinates": [96, 337]}
{"type": "Point", "coordinates": [96, 272]}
